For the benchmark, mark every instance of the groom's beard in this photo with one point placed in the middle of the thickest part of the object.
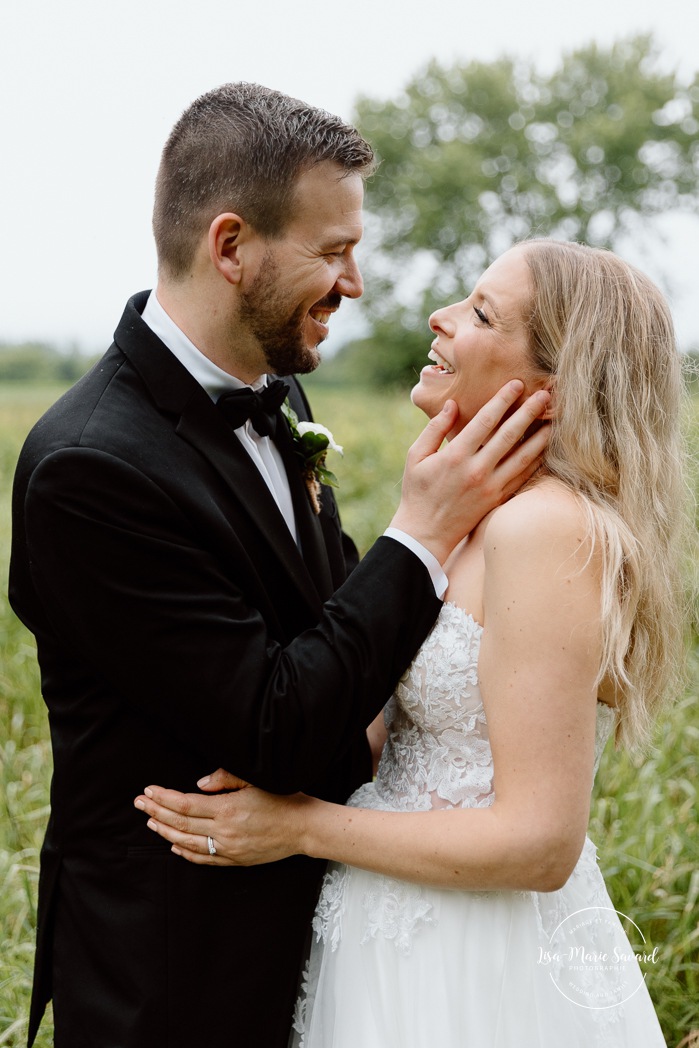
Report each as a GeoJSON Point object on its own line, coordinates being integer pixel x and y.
{"type": "Point", "coordinates": [280, 334]}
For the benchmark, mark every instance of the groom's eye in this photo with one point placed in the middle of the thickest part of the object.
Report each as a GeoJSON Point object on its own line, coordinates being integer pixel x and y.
{"type": "Point", "coordinates": [481, 315]}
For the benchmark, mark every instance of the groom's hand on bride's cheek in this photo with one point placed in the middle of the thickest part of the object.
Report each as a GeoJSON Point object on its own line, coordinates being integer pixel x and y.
{"type": "Point", "coordinates": [448, 490]}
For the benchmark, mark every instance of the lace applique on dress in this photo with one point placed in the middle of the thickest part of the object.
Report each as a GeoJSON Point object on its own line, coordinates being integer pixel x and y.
{"type": "Point", "coordinates": [327, 925]}
{"type": "Point", "coordinates": [437, 754]}
{"type": "Point", "coordinates": [306, 997]}
{"type": "Point", "coordinates": [395, 909]}
{"type": "Point", "coordinates": [327, 921]}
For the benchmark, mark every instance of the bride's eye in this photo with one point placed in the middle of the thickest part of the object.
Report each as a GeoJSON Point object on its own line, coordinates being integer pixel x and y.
{"type": "Point", "coordinates": [481, 315]}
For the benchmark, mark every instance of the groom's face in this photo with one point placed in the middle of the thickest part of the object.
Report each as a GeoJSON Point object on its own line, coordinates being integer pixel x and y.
{"type": "Point", "coordinates": [304, 274]}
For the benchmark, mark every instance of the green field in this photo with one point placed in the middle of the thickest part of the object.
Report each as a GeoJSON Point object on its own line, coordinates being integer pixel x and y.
{"type": "Point", "coordinates": [644, 812]}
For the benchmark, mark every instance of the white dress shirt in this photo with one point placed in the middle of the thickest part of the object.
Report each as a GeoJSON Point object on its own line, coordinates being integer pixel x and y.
{"type": "Point", "coordinates": [261, 450]}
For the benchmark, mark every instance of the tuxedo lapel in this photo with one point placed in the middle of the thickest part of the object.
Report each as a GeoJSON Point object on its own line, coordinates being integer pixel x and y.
{"type": "Point", "coordinates": [204, 428]}
{"type": "Point", "coordinates": [197, 421]}
{"type": "Point", "coordinates": [311, 538]}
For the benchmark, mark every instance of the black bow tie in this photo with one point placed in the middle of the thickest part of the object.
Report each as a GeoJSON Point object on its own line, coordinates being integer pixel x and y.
{"type": "Point", "coordinates": [262, 408]}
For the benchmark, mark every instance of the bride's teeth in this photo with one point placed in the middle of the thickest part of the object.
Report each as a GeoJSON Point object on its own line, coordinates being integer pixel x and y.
{"type": "Point", "coordinates": [440, 361]}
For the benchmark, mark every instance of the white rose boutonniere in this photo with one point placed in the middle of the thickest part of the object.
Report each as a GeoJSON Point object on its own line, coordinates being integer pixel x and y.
{"type": "Point", "coordinates": [311, 444]}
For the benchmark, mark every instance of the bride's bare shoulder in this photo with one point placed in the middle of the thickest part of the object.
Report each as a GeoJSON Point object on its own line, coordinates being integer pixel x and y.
{"type": "Point", "coordinates": [545, 516]}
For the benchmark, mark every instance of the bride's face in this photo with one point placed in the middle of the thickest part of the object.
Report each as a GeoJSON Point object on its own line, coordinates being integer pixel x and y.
{"type": "Point", "coordinates": [481, 342]}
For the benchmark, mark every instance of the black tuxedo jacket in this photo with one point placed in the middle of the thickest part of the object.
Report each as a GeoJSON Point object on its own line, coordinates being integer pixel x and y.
{"type": "Point", "coordinates": [179, 629]}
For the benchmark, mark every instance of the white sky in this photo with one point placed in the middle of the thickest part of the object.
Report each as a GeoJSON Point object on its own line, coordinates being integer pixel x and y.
{"type": "Point", "coordinates": [89, 90]}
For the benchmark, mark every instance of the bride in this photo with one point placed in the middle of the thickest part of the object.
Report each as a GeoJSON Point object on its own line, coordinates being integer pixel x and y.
{"type": "Point", "coordinates": [464, 907]}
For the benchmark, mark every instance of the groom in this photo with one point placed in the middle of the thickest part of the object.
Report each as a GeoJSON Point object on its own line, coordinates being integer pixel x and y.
{"type": "Point", "coordinates": [190, 606]}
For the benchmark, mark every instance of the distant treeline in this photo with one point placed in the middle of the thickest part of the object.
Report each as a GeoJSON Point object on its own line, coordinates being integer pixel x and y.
{"type": "Point", "coordinates": [41, 362]}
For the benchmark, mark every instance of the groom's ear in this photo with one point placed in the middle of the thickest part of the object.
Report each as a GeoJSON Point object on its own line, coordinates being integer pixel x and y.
{"type": "Point", "coordinates": [228, 235]}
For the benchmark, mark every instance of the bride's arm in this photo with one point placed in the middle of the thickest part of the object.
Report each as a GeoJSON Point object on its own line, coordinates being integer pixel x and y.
{"type": "Point", "coordinates": [538, 663]}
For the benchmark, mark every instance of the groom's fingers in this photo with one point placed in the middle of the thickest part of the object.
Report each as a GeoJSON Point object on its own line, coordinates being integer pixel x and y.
{"type": "Point", "coordinates": [495, 438]}
{"type": "Point", "coordinates": [434, 433]}
{"type": "Point", "coordinates": [487, 419]}
{"type": "Point", "coordinates": [523, 463]}
{"type": "Point", "coordinates": [445, 493]}
{"type": "Point", "coordinates": [477, 431]}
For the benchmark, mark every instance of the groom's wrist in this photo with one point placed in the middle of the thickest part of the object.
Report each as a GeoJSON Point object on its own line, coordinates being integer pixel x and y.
{"type": "Point", "coordinates": [430, 561]}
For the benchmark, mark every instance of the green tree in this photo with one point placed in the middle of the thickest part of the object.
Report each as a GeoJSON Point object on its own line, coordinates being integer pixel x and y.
{"type": "Point", "coordinates": [475, 157]}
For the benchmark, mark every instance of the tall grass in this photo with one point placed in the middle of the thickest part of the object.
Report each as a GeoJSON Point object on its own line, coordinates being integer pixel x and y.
{"type": "Point", "coordinates": [25, 753]}
{"type": "Point", "coordinates": [644, 813]}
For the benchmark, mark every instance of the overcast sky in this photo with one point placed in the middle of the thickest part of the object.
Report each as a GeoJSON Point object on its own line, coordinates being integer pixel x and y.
{"type": "Point", "coordinates": [89, 91]}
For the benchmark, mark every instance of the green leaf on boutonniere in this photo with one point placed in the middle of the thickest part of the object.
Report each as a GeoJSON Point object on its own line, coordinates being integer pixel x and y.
{"type": "Point", "coordinates": [312, 441]}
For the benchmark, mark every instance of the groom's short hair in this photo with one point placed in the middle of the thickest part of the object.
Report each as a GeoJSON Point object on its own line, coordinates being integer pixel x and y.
{"type": "Point", "coordinates": [241, 148]}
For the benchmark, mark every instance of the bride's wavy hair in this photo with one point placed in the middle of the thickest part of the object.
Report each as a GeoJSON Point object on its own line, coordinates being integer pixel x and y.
{"type": "Point", "coordinates": [604, 331]}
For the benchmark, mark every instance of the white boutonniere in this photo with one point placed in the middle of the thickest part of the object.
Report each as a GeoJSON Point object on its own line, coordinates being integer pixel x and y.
{"type": "Point", "coordinates": [311, 444]}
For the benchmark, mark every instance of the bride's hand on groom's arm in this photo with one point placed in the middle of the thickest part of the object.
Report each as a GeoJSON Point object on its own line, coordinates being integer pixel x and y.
{"type": "Point", "coordinates": [247, 826]}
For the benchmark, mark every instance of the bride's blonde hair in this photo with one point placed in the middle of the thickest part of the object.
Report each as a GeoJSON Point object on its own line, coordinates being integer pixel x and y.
{"type": "Point", "coordinates": [604, 331]}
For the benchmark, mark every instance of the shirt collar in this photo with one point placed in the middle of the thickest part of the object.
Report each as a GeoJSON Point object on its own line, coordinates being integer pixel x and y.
{"type": "Point", "coordinates": [209, 375]}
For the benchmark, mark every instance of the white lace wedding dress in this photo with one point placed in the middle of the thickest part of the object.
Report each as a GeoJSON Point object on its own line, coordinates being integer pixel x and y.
{"type": "Point", "coordinates": [398, 965]}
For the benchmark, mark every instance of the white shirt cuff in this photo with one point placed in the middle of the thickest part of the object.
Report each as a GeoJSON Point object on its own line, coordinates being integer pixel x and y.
{"type": "Point", "coordinates": [439, 579]}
